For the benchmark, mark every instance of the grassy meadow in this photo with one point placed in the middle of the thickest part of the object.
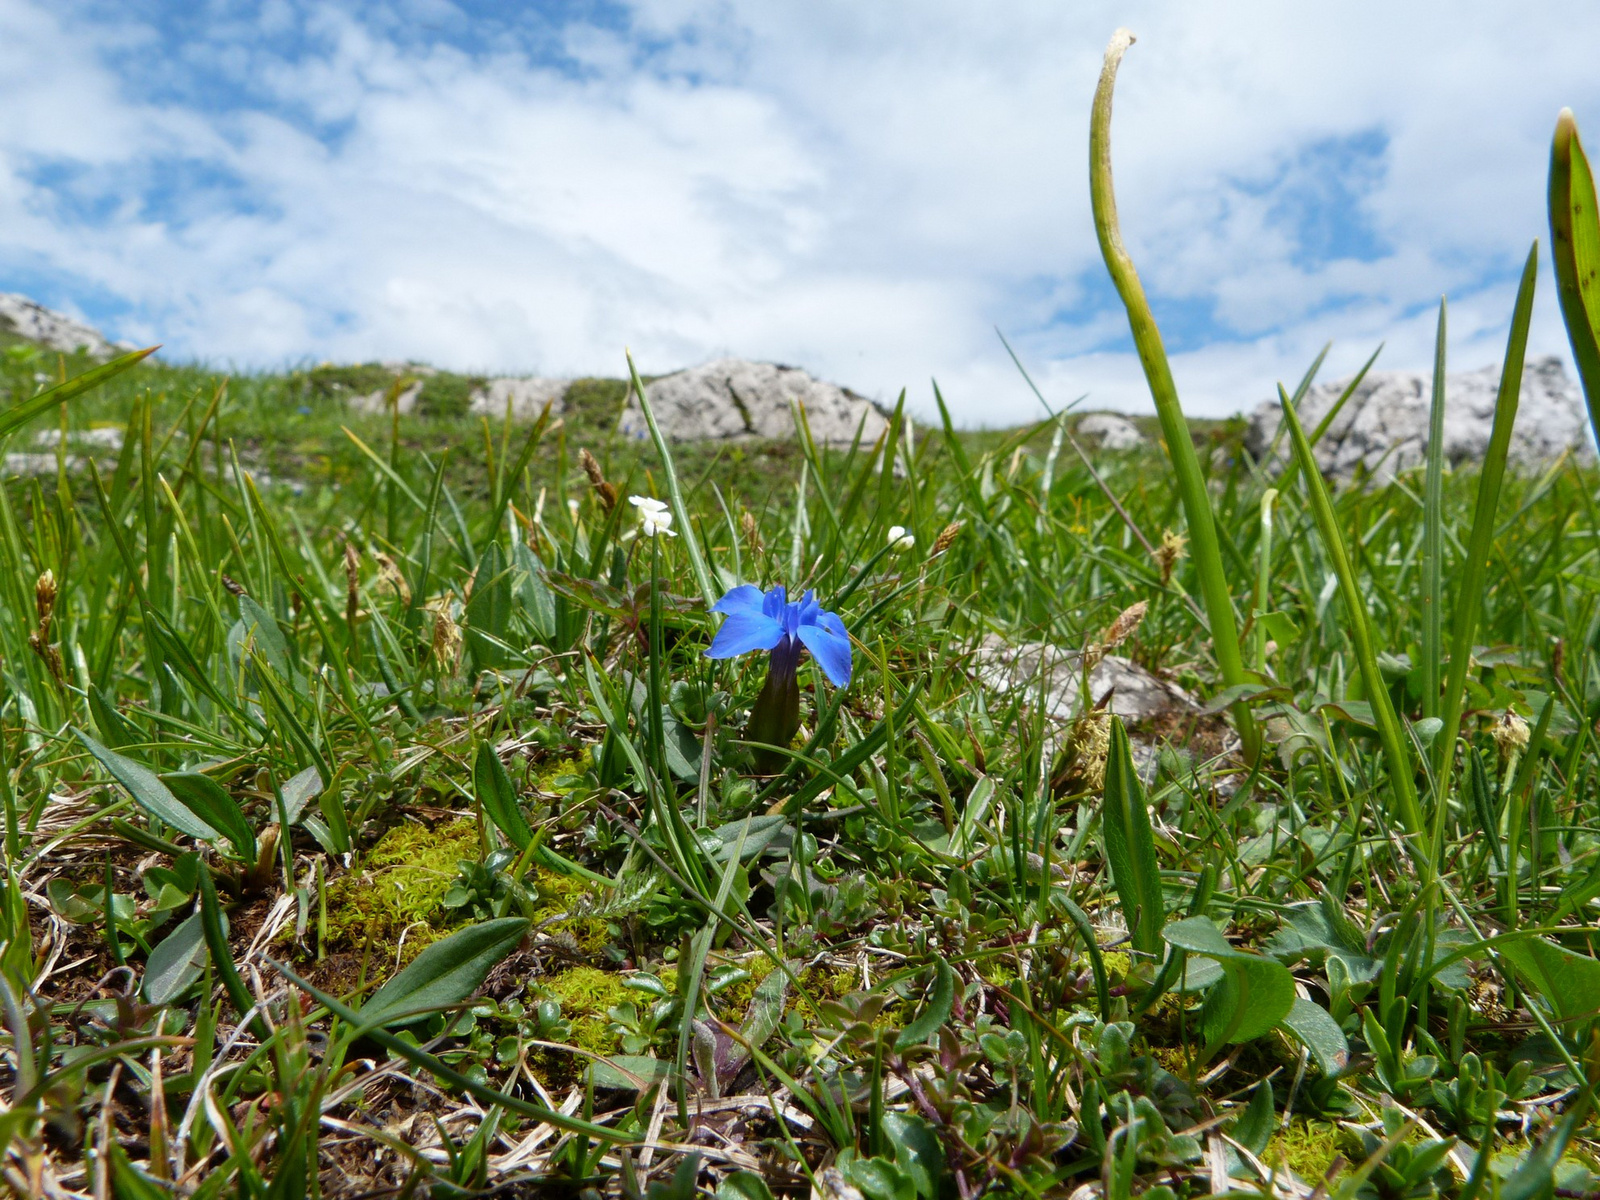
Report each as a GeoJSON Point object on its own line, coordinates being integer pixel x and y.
{"type": "Point", "coordinates": [375, 823]}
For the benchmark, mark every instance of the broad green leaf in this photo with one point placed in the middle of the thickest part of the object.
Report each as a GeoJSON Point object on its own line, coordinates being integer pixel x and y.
{"type": "Point", "coordinates": [937, 1010]}
{"type": "Point", "coordinates": [1131, 847]}
{"type": "Point", "coordinates": [489, 609]}
{"type": "Point", "coordinates": [45, 401]}
{"type": "Point", "coordinates": [177, 962]}
{"type": "Point", "coordinates": [209, 800]}
{"type": "Point", "coordinates": [1569, 982]}
{"type": "Point", "coordinates": [1255, 1127]}
{"type": "Point", "coordinates": [743, 1185]}
{"type": "Point", "coordinates": [261, 631]}
{"type": "Point", "coordinates": [1320, 1034]}
{"type": "Point", "coordinates": [115, 729]}
{"type": "Point", "coordinates": [446, 973]}
{"type": "Point", "coordinates": [1254, 994]}
{"type": "Point", "coordinates": [147, 790]}
{"type": "Point", "coordinates": [532, 592]}
{"type": "Point", "coordinates": [1575, 247]}
{"type": "Point", "coordinates": [628, 1072]}
{"type": "Point", "coordinates": [916, 1150]}
{"type": "Point", "coordinates": [499, 797]}
{"type": "Point", "coordinates": [298, 791]}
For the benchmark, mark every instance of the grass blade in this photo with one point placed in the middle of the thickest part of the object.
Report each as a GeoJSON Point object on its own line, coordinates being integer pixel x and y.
{"type": "Point", "coordinates": [1204, 545]}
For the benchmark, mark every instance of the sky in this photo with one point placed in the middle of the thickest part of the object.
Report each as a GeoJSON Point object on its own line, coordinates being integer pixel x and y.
{"type": "Point", "coordinates": [869, 191]}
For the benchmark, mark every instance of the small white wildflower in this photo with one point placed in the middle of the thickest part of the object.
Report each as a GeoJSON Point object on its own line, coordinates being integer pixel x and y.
{"type": "Point", "coordinates": [901, 538]}
{"type": "Point", "coordinates": [572, 507]}
{"type": "Point", "coordinates": [653, 516]}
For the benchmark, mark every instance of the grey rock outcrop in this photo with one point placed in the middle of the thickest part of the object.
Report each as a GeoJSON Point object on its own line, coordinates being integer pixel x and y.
{"type": "Point", "coordinates": [53, 330]}
{"type": "Point", "coordinates": [1138, 696]}
{"type": "Point", "coordinates": [734, 398]}
{"type": "Point", "coordinates": [1107, 431]}
{"type": "Point", "coordinates": [1383, 427]}
{"type": "Point", "coordinates": [527, 397]}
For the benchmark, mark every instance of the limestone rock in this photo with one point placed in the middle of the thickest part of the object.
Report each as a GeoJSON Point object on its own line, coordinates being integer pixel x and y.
{"type": "Point", "coordinates": [378, 402]}
{"type": "Point", "coordinates": [733, 398]}
{"type": "Point", "coordinates": [53, 330]}
{"type": "Point", "coordinates": [527, 396]}
{"type": "Point", "coordinates": [1109, 432]}
{"type": "Point", "coordinates": [1139, 695]}
{"type": "Point", "coordinates": [1383, 427]}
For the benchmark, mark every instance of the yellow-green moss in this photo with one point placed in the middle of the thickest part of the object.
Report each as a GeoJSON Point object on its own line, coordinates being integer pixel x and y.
{"type": "Point", "coordinates": [399, 889]}
{"type": "Point", "coordinates": [586, 995]}
{"type": "Point", "coordinates": [1307, 1148]}
{"type": "Point", "coordinates": [562, 894]}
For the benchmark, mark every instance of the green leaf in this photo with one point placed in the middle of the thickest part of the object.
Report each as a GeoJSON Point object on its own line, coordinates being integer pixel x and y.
{"type": "Point", "coordinates": [21, 414]}
{"type": "Point", "coordinates": [115, 729]}
{"type": "Point", "coordinates": [916, 1150]}
{"type": "Point", "coordinates": [1569, 982]}
{"type": "Point", "coordinates": [1575, 247]}
{"type": "Point", "coordinates": [147, 790]}
{"type": "Point", "coordinates": [937, 1010]}
{"type": "Point", "coordinates": [628, 1072]}
{"type": "Point", "coordinates": [743, 1185]}
{"type": "Point", "coordinates": [446, 973]}
{"type": "Point", "coordinates": [1320, 1034]}
{"type": "Point", "coordinates": [261, 631]}
{"type": "Point", "coordinates": [177, 962]}
{"type": "Point", "coordinates": [1254, 1129]}
{"type": "Point", "coordinates": [489, 609]}
{"type": "Point", "coordinates": [1254, 994]}
{"type": "Point", "coordinates": [499, 797]}
{"type": "Point", "coordinates": [533, 594]}
{"type": "Point", "coordinates": [298, 791]}
{"type": "Point", "coordinates": [209, 800]}
{"type": "Point", "coordinates": [1131, 847]}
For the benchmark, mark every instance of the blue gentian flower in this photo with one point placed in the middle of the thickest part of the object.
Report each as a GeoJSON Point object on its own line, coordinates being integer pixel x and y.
{"type": "Point", "coordinates": [780, 626]}
{"type": "Point", "coordinates": [773, 622]}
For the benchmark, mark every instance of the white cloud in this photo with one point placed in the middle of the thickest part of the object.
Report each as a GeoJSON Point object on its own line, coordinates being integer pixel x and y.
{"type": "Point", "coordinates": [864, 189]}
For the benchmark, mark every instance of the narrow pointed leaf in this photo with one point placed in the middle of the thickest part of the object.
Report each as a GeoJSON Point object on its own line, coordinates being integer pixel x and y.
{"type": "Point", "coordinates": [147, 790]}
{"type": "Point", "coordinates": [446, 973]}
{"type": "Point", "coordinates": [1131, 847]}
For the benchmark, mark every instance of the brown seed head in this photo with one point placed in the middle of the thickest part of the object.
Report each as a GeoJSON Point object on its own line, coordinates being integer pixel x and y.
{"type": "Point", "coordinates": [606, 491]}
{"type": "Point", "coordinates": [1173, 547]}
{"type": "Point", "coordinates": [1510, 734]}
{"type": "Point", "coordinates": [752, 533]}
{"type": "Point", "coordinates": [947, 535]}
{"type": "Point", "coordinates": [1123, 627]}
{"type": "Point", "coordinates": [389, 576]}
{"type": "Point", "coordinates": [234, 587]}
{"type": "Point", "coordinates": [44, 598]}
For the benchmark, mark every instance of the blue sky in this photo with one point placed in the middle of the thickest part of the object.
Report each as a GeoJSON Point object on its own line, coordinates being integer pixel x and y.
{"type": "Point", "coordinates": [865, 190]}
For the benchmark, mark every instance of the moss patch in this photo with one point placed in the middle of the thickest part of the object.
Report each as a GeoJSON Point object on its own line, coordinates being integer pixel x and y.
{"type": "Point", "coordinates": [1307, 1148]}
{"type": "Point", "coordinates": [400, 889]}
{"type": "Point", "coordinates": [587, 994]}
{"type": "Point", "coordinates": [564, 894]}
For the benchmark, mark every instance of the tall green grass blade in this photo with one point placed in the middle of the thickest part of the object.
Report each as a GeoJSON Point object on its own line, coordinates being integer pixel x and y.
{"type": "Point", "coordinates": [20, 414]}
{"type": "Point", "coordinates": [1472, 574]}
{"type": "Point", "coordinates": [1433, 536]}
{"type": "Point", "coordinates": [1191, 485]}
{"type": "Point", "coordinates": [1402, 782]}
{"type": "Point", "coordinates": [680, 512]}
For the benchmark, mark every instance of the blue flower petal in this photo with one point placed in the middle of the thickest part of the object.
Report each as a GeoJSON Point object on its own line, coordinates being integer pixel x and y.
{"type": "Point", "coordinates": [830, 646]}
{"type": "Point", "coordinates": [743, 632]}
{"type": "Point", "coordinates": [744, 599]}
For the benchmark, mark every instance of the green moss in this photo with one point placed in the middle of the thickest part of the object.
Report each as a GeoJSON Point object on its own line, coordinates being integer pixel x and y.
{"type": "Point", "coordinates": [1307, 1148]}
{"type": "Point", "coordinates": [400, 889]}
{"type": "Point", "coordinates": [563, 894]}
{"type": "Point", "coordinates": [587, 994]}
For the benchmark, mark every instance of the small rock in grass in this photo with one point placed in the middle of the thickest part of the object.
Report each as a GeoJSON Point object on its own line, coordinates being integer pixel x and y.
{"type": "Point", "coordinates": [1107, 431]}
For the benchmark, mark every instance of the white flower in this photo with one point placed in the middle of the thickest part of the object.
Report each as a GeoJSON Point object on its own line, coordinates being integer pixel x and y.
{"type": "Point", "coordinates": [653, 516]}
{"type": "Point", "coordinates": [901, 538]}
